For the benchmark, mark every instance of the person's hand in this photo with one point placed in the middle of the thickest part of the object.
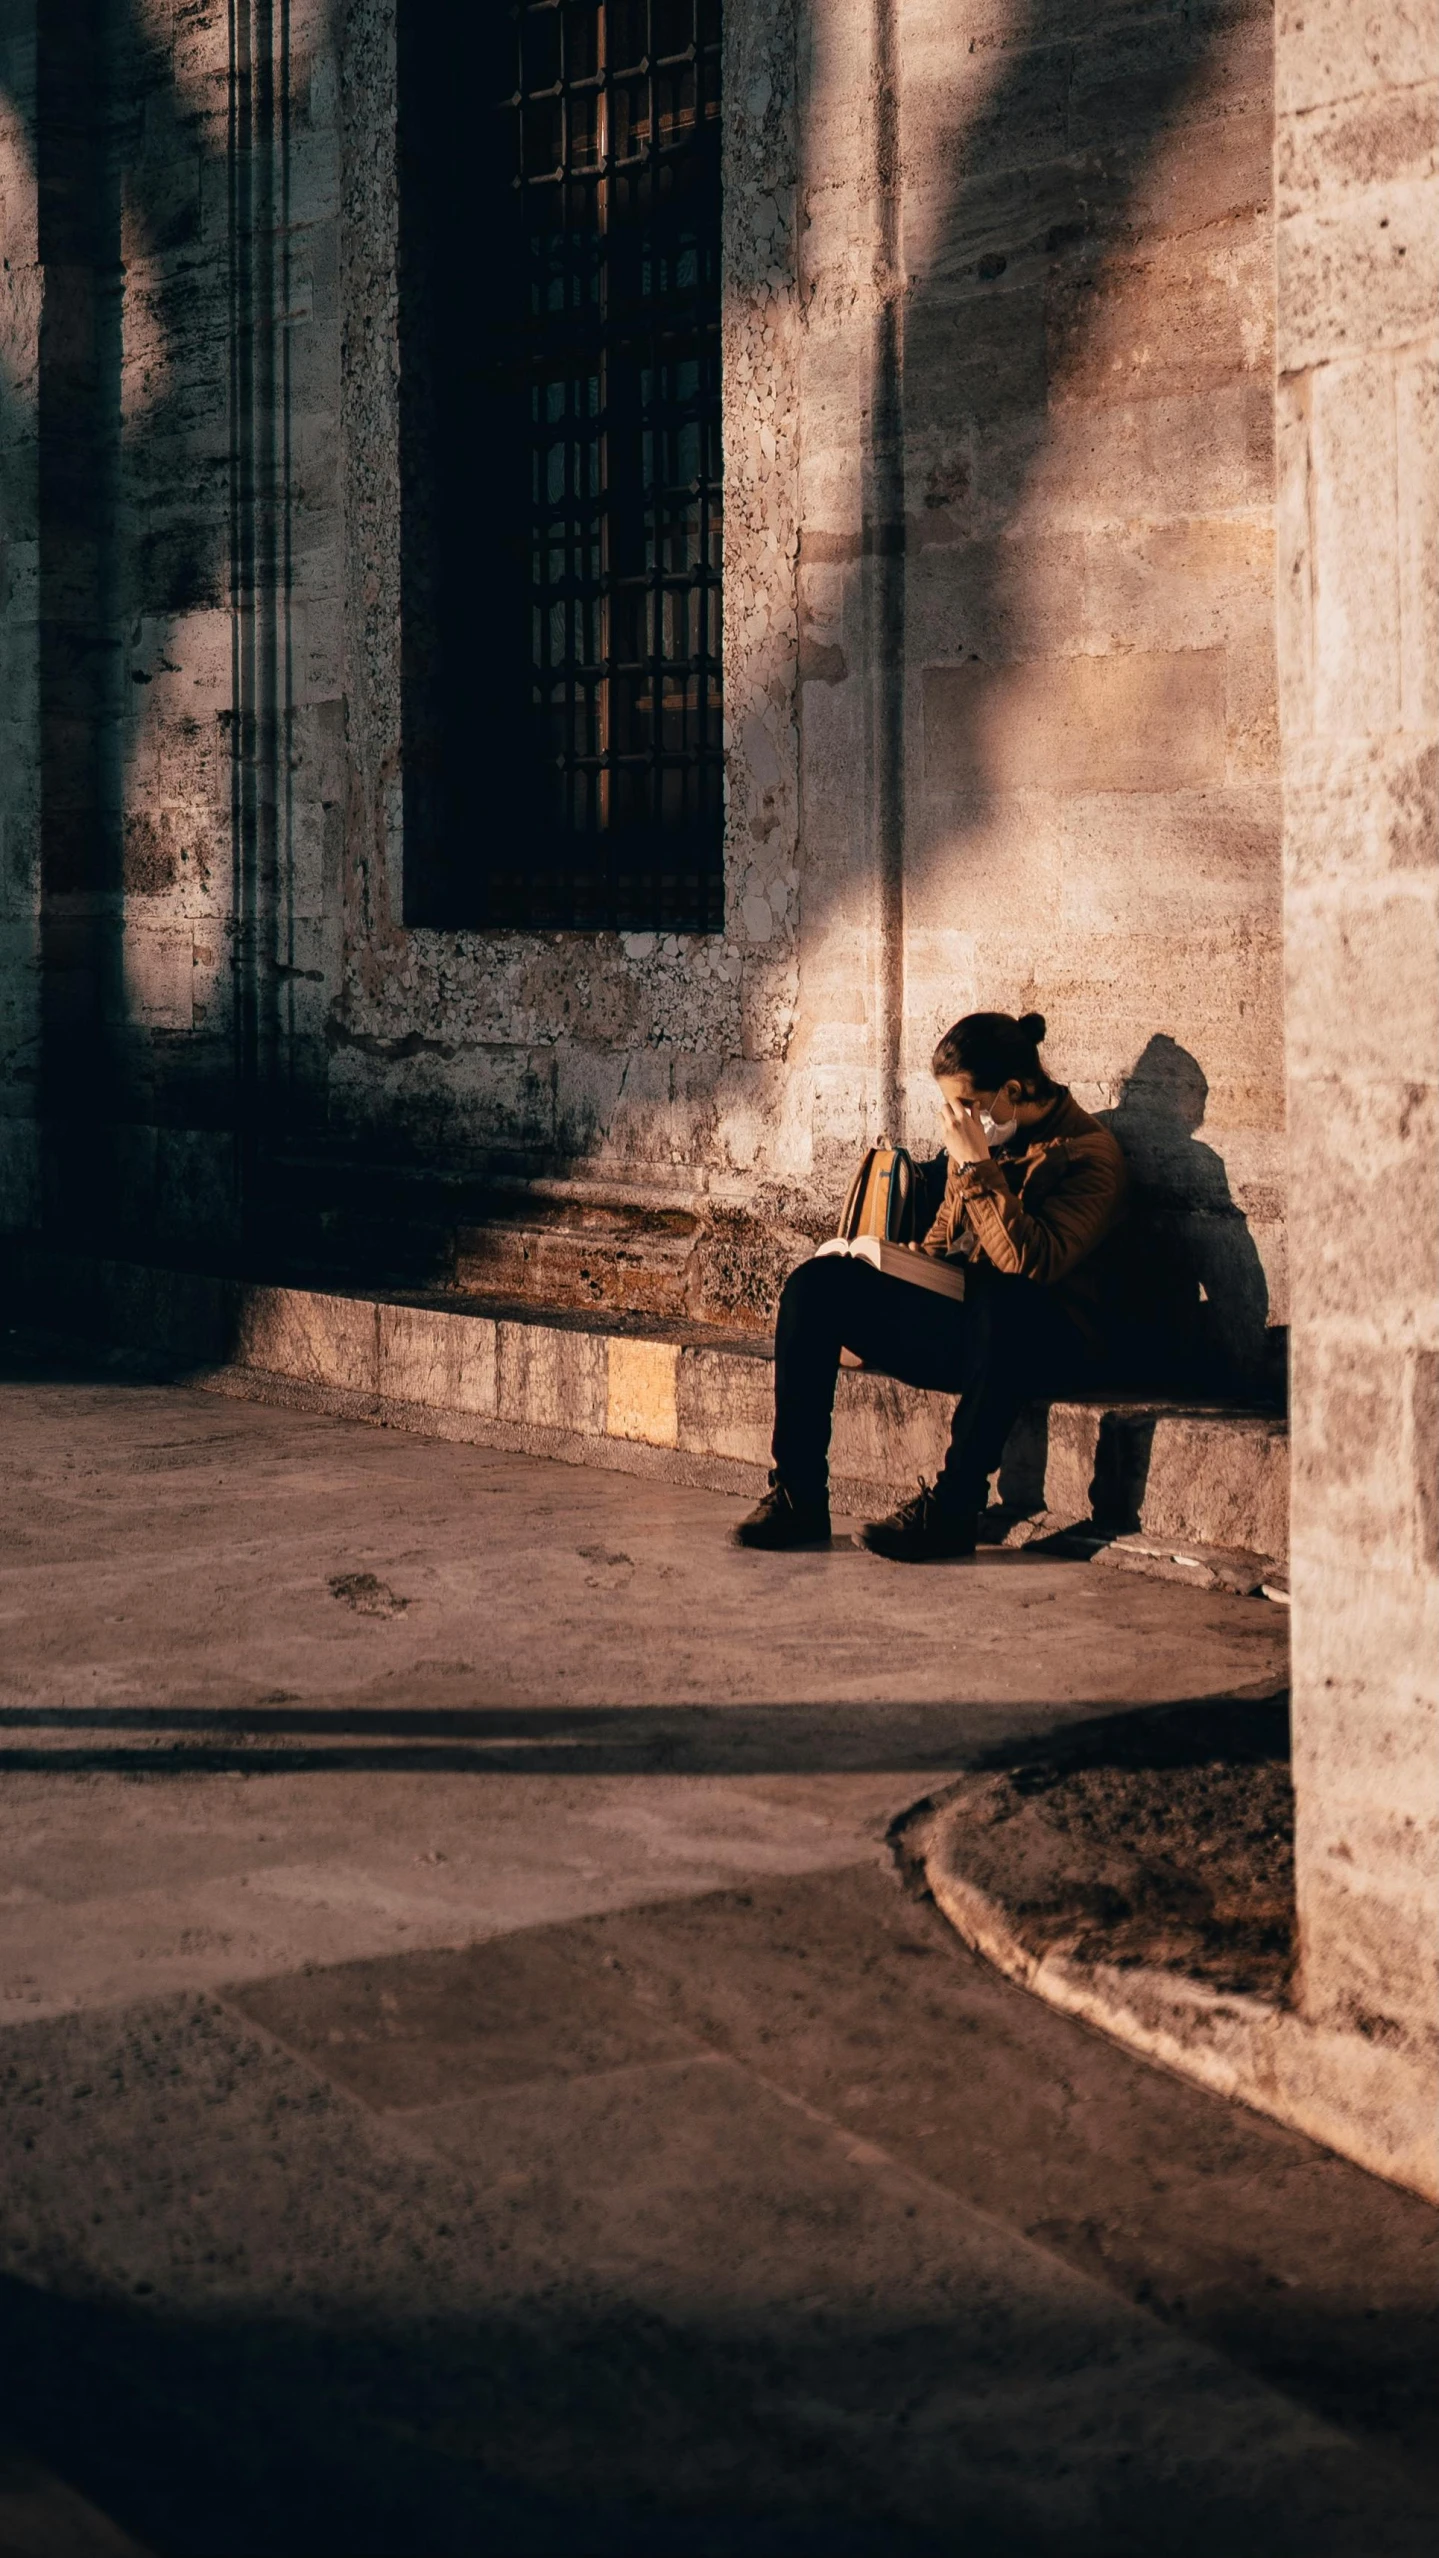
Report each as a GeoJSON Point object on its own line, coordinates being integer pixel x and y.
{"type": "Point", "coordinates": [965, 1140]}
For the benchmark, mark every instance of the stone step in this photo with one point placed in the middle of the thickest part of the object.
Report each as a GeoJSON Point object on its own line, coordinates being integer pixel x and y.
{"type": "Point", "coordinates": [593, 1246]}
{"type": "Point", "coordinates": [588, 1257]}
{"type": "Point", "coordinates": [649, 1394]}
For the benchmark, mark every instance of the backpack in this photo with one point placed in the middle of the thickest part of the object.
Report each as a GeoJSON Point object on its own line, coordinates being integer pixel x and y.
{"type": "Point", "coordinates": [883, 1198]}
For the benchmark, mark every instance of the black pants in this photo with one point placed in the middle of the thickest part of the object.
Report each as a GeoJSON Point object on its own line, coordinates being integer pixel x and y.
{"type": "Point", "coordinates": [1007, 1341]}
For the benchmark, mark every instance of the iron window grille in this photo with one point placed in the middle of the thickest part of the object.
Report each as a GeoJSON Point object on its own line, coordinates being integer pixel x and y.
{"type": "Point", "coordinates": [562, 511]}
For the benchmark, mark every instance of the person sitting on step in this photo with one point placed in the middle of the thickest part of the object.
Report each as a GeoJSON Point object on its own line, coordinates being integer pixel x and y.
{"type": "Point", "coordinates": [1035, 1196]}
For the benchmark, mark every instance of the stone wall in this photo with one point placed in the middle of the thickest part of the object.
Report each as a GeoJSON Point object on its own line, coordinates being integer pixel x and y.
{"type": "Point", "coordinates": [1092, 822]}
{"type": "Point", "coordinates": [1357, 160]}
{"type": "Point", "coordinates": [142, 464]}
{"type": "Point", "coordinates": [998, 350]}
{"type": "Point", "coordinates": [19, 662]}
{"type": "Point", "coordinates": [998, 652]}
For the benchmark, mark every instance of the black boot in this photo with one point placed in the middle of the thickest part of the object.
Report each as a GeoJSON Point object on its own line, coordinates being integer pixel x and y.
{"type": "Point", "coordinates": [921, 1530]}
{"type": "Point", "coordinates": [781, 1522]}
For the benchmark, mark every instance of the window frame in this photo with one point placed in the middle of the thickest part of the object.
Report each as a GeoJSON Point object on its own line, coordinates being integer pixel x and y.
{"type": "Point", "coordinates": [582, 790]}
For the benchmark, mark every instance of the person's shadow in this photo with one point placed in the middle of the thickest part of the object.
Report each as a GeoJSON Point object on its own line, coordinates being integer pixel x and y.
{"type": "Point", "coordinates": [1202, 1272]}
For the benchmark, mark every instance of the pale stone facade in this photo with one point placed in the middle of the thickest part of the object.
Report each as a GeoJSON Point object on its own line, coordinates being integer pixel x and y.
{"type": "Point", "coordinates": [1358, 588]}
{"type": "Point", "coordinates": [1000, 674]}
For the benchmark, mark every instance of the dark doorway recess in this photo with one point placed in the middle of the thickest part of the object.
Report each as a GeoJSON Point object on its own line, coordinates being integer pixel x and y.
{"type": "Point", "coordinates": [560, 465]}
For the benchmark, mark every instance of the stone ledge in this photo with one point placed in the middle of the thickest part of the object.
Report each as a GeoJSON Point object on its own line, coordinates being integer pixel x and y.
{"type": "Point", "coordinates": [1198, 1566]}
{"type": "Point", "coordinates": [639, 1393]}
{"type": "Point", "coordinates": [1370, 2102]}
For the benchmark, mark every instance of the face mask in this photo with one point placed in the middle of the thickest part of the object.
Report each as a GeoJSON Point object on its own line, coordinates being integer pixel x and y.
{"type": "Point", "coordinates": [998, 1131]}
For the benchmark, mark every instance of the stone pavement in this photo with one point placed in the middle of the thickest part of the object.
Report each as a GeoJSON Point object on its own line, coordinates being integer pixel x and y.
{"type": "Point", "coordinates": [471, 2079]}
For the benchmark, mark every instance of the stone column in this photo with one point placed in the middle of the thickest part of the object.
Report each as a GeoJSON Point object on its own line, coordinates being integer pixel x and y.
{"type": "Point", "coordinates": [1358, 387]}
{"type": "Point", "coordinates": [20, 281]}
{"type": "Point", "coordinates": [851, 588]}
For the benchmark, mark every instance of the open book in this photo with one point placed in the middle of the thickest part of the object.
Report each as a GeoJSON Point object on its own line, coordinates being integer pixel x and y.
{"type": "Point", "coordinates": [899, 1261]}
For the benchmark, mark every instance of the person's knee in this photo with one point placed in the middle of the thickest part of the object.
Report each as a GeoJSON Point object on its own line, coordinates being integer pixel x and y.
{"type": "Point", "coordinates": [811, 1283]}
{"type": "Point", "coordinates": [818, 1300]}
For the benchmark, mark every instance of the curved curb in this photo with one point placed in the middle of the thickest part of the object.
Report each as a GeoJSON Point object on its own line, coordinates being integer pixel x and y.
{"type": "Point", "coordinates": [1370, 2102]}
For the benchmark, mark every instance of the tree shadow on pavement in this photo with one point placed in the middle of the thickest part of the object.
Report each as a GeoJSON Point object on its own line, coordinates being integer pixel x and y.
{"type": "Point", "coordinates": [291, 1738]}
{"type": "Point", "coordinates": [224, 2436]}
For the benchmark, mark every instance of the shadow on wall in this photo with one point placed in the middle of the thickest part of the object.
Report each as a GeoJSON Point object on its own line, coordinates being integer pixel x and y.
{"type": "Point", "coordinates": [161, 503]}
{"type": "Point", "coordinates": [1199, 1320]}
{"type": "Point", "coordinates": [1198, 1251]}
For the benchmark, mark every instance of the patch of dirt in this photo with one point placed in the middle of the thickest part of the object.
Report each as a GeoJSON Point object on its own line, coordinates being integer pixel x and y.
{"type": "Point", "coordinates": [367, 1595]}
{"type": "Point", "coordinates": [1165, 1839]}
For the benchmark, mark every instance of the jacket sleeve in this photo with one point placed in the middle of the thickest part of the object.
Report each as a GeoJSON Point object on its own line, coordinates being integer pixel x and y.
{"type": "Point", "coordinates": [1045, 1242]}
{"type": "Point", "coordinates": [940, 1235]}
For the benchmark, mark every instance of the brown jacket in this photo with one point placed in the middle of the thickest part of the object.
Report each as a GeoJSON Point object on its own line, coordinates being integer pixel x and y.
{"type": "Point", "coordinates": [1047, 1206]}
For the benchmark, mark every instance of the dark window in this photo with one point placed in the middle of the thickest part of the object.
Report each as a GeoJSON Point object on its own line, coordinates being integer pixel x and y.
{"type": "Point", "coordinates": [560, 429]}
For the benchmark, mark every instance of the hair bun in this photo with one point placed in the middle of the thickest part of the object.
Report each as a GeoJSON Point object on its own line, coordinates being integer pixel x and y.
{"type": "Point", "coordinates": [1032, 1026]}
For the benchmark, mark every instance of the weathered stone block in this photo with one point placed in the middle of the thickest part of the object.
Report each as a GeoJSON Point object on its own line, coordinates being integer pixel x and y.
{"type": "Point", "coordinates": [19, 1175]}
{"type": "Point", "coordinates": [196, 1191]}
{"type": "Point", "coordinates": [1370, 1914]}
{"type": "Point", "coordinates": [1221, 1480]}
{"type": "Point", "coordinates": [1353, 1492]}
{"type": "Point", "coordinates": [888, 1433]}
{"type": "Point", "coordinates": [1071, 1452]}
{"type": "Point", "coordinates": [965, 123]}
{"type": "Point", "coordinates": [1182, 189]}
{"type": "Point", "coordinates": [553, 1379]}
{"type": "Point", "coordinates": [155, 991]}
{"type": "Point", "coordinates": [1139, 77]}
{"type": "Point", "coordinates": [1188, 583]}
{"type": "Point", "coordinates": [1365, 984]}
{"type": "Point", "coordinates": [185, 1314]}
{"type": "Point", "coordinates": [724, 1405]}
{"type": "Point", "coordinates": [1111, 337]}
{"type": "Point", "coordinates": [1416, 413]}
{"type": "Point", "coordinates": [1422, 1451]}
{"type": "Point", "coordinates": [1327, 49]}
{"type": "Point", "coordinates": [1136, 721]}
{"type": "Point", "coordinates": [1353, 553]}
{"type": "Point", "coordinates": [1369, 138]}
{"type": "Point", "coordinates": [641, 1396]}
{"type": "Point", "coordinates": [1170, 867]}
{"type": "Point", "coordinates": [323, 1340]}
{"type": "Point", "coordinates": [447, 1362]}
{"type": "Point", "coordinates": [992, 853]}
{"type": "Point", "coordinates": [1346, 1751]}
{"type": "Point", "coordinates": [1357, 276]}
{"type": "Point", "coordinates": [1093, 462]}
{"type": "Point", "coordinates": [1251, 705]}
{"type": "Point", "coordinates": [1365, 1206]}
{"type": "Point", "coordinates": [586, 1253]}
{"type": "Point", "coordinates": [1357, 805]}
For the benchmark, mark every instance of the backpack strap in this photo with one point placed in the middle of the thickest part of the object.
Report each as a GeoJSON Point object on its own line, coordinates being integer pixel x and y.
{"type": "Point", "coordinates": [848, 1225]}
{"type": "Point", "coordinates": [899, 1226]}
